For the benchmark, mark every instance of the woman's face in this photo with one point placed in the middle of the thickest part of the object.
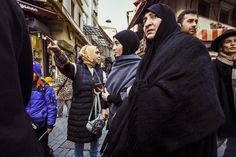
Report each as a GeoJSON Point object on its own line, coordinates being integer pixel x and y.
{"type": "Point", "coordinates": [96, 55]}
{"type": "Point", "coordinates": [229, 46]}
{"type": "Point", "coordinates": [151, 24]}
{"type": "Point", "coordinates": [117, 48]}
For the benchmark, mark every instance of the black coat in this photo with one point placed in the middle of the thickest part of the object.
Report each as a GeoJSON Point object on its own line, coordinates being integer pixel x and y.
{"type": "Point", "coordinates": [223, 75]}
{"type": "Point", "coordinates": [17, 137]}
{"type": "Point", "coordinates": [173, 105]}
{"type": "Point", "coordinates": [82, 102]}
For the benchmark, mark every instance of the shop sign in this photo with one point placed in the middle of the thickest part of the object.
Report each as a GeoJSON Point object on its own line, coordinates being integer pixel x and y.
{"type": "Point", "coordinates": [36, 10]}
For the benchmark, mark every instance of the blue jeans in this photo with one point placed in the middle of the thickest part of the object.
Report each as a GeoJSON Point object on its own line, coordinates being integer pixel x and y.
{"type": "Point", "coordinates": [79, 148]}
{"type": "Point", "coordinates": [230, 150]}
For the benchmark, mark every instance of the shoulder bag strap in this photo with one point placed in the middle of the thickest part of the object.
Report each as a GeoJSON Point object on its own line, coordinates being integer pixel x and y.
{"type": "Point", "coordinates": [99, 79]}
{"type": "Point", "coordinates": [96, 105]}
{"type": "Point", "coordinates": [62, 86]}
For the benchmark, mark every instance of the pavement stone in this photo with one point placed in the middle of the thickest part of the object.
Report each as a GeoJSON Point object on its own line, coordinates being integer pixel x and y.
{"type": "Point", "coordinates": [64, 148]}
{"type": "Point", "coordinates": [59, 143]}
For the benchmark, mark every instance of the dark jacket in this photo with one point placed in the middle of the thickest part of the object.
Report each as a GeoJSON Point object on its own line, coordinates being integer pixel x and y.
{"type": "Point", "coordinates": [16, 133]}
{"type": "Point", "coordinates": [223, 76]}
{"type": "Point", "coordinates": [173, 104]}
{"type": "Point", "coordinates": [82, 101]}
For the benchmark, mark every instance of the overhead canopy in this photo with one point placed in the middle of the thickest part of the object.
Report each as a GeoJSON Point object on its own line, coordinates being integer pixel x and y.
{"type": "Point", "coordinates": [36, 9]}
{"type": "Point", "coordinates": [209, 34]}
{"type": "Point", "coordinates": [96, 36]}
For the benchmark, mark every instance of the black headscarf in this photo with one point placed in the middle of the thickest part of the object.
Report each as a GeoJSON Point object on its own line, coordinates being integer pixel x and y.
{"type": "Point", "coordinates": [129, 40]}
{"type": "Point", "coordinates": [173, 101]}
{"type": "Point", "coordinates": [167, 27]}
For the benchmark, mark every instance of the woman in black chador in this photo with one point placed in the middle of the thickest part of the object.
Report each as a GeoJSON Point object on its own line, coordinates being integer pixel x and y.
{"type": "Point", "coordinates": [172, 109]}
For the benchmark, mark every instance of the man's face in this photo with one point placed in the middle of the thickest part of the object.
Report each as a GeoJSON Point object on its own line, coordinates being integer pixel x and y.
{"type": "Point", "coordinates": [189, 23]}
{"type": "Point", "coordinates": [151, 24]}
{"type": "Point", "coordinates": [229, 46]}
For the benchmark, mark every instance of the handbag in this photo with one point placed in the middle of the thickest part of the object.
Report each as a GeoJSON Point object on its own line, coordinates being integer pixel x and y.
{"type": "Point", "coordinates": [96, 125]}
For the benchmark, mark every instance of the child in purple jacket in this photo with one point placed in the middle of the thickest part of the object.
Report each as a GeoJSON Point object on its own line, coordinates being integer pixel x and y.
{"type": "Point", "coordinates": [42, 108]}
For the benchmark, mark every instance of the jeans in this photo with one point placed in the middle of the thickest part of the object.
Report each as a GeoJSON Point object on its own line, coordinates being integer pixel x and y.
{"type": "Point", "coordinates": [79, 148]}
{"type": "Point", "coordinates": [230, 150]}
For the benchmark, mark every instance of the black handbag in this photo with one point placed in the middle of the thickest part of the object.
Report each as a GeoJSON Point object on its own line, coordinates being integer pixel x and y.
{"type": "Point", "coordinates": [96, 125]}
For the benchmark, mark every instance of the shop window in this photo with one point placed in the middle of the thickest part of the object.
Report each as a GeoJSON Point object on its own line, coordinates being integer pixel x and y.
{"type": "Point", "coordinates": [224, 16]}
{"type": "Point", "coordinates": [72, 9]}
{"type": "Point", "coordinates": [233, 17]}
{"type": "Point", "coordinates": [79, 19]}
{"type": "Point", "coordinates": [203, 8]}
{"type": "Point", "coordinates": [37, 47]}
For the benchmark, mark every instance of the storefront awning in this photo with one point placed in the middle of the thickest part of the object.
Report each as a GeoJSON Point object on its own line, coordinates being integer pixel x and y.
{"type": "Point", "coordinates": [209, 34]}
{"type": "Point", "coordinates": [36, 9]}
{"type": "Point", "coordinates": [36, 25]}
{"type": "Point", "coordinates": [96, 36]}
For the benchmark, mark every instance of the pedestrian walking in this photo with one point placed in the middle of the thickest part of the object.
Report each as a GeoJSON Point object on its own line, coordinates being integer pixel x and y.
{"type": "Point", "coordinates": [17, 137]}
{"type": "Point", "coordinates": [42, 108]}
{"type": "Point", "coordinates": [84, 74]}
{"type": "Point", "coordinates": [225, 75]}
{"type": "Point", "coordinates": [172, 108]}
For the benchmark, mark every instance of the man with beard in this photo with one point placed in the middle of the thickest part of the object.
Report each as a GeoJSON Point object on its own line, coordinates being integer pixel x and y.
{"type": "Point", "coordinates": [188, 20]}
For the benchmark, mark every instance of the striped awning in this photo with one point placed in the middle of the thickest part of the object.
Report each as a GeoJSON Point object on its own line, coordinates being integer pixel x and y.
{"type": "Point", "coordinates": [210, 34]}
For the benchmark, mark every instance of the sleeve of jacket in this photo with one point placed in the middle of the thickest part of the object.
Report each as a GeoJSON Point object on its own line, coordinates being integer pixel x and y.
{"type": "Point", "coordinates": [113, 98]}
{"type": "Point", "coordinates": [51, 106]}
{"type": "Point", "coordinates": [68, 70]}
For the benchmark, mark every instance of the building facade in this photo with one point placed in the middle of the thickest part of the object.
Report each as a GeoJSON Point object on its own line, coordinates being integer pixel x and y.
{"type": "Point", "coordinates": [64, 21]}
{"type": "Point", "coordinates": [215, 16]}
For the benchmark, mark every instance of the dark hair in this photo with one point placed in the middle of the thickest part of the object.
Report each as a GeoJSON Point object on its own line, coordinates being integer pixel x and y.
{"type": "Point", "coordinates": [181, 15]}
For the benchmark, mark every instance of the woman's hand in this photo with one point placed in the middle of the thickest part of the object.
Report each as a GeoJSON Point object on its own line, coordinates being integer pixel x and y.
{"type": "Point", "coordinates": [105, 94]}
{"type": "Point", "coordinates": [53, 46]}
{"type": "Point", "coordinates": [105, 114]}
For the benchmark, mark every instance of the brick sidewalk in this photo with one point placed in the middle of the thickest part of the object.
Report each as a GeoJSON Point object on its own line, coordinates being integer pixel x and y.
{"type": "Point", "coordinates": [61, 147]}
{"type": "Point", "coordinates": [64, 148]}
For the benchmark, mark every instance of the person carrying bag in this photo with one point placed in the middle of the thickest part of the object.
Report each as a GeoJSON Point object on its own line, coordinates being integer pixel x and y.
{"type": "Point", "coordinates": [96, 125]}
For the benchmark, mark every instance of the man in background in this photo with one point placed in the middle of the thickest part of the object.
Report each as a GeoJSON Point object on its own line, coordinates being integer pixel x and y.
{"type": "Point", "coordinates": [188, 20]}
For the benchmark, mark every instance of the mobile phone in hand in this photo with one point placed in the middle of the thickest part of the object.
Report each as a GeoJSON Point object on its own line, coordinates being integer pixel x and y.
{"type": "Point", "coordinates": [99, 87]}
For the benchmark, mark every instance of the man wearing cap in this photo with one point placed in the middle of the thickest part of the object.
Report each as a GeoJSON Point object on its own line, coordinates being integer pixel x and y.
{"type": "Point", "coordinates": [225, 76]}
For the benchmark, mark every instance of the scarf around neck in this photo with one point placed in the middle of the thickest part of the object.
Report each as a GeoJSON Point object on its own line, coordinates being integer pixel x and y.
{"type": "Point", "coordinates": [229, 60]}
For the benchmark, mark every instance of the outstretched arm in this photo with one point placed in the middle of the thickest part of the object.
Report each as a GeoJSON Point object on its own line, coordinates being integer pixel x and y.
{"type": "Point", "coordinates": [62, 61]}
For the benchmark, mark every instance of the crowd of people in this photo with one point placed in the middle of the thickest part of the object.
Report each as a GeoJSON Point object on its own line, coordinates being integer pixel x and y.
{"type": "Point", "coordinates": [175, 101]}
